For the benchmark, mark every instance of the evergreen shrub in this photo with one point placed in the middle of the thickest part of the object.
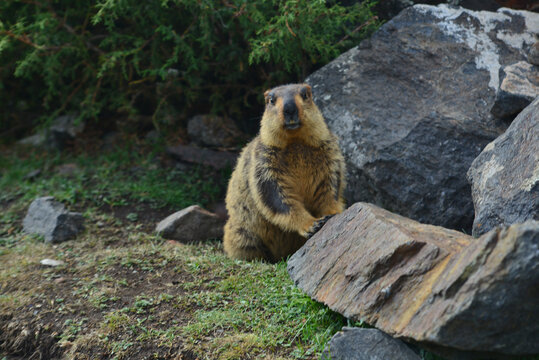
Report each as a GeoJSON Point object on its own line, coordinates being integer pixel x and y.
{"type": "Point", "coordinates": [163, 60]}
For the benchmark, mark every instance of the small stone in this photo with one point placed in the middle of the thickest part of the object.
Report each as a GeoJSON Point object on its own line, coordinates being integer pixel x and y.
{"type": "Point", "coordinates": [33, 140]}
{"type": "Point", "coordinates": [210, 130]}
{"type": "Point", "coordinates": [67, 170]}
{"type": "Point", "coordinates": [152, 136]}
{"type": "Point", "coordinates": [192, 154]}
{"type": "Point", "coordinates": [192, 224]}
{"type": "Point", "coordinates": [52, 263]}
{"type": "Point", "coordinates": [173, 72]}
{"type": "Point", "coordinates": [32, 175]}
{"type": "Point", "coordinates": [63, 130]}
{"type": "Point", "coordinates": [58, 135]}
{"type": "Point", "coordinates": [366, 344]}
{"type": "Point", "coordinates": [181, 166]}
{"type": "Point", "coordinates": [50, 219]}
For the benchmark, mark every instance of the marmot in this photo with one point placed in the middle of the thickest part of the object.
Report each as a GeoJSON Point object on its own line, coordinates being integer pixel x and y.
{"type": "Point", "coordinates": [288, 180]}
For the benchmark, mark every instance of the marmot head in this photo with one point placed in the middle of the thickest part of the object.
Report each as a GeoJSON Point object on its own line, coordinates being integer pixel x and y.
{"type": "Point", "coordinates": [291, 113]}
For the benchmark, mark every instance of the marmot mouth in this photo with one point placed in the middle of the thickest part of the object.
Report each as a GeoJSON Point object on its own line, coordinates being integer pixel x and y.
{"type": "Point", "coordinates": [292, 126]}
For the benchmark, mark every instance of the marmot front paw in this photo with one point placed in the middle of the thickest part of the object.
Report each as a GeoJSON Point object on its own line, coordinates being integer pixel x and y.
{"type": "Point", "coordinates": [318, 225]}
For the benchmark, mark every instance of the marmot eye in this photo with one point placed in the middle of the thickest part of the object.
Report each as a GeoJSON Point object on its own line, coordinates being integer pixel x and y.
{"type": "Point", "coordinates": [272, 99]}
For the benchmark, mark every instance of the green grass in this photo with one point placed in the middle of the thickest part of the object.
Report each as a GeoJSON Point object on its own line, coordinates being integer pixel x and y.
{"type": "Point", "coordinates": [116, 178]}
{"type": "Point", "coordinates": [259, 300]}
{"type": "Point", "coordinates": [229, 309]}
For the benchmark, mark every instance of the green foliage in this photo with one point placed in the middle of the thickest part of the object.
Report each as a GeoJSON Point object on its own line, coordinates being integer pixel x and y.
{"type": "Point", "coordinates": [128, 57]}
{"type": "Point", "coordinates": [298, 36]}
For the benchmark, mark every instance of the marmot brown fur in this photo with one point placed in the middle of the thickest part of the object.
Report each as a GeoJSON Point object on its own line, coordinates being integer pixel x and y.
{"type": "Point", "coordinates": [288, 180]}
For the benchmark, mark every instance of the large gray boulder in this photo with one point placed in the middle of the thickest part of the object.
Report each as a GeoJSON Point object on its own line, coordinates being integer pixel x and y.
{"type": "Point", "coordinates": [366, 344]}
{"type": "Point", "coordinates": [50, 219]}
{"type": "Point", "coordinates": [467, 298]}
{"type": "Point", "coordinates": [505, 176]}
{"type": "Point", "coordinates": [412, 106]}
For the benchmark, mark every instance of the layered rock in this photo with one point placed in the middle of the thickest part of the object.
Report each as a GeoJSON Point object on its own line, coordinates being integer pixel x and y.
{"type": "Point", "coordinates": [412, 106]}
{"type": "Point", "coordinates": [505, 176]}
{"type": "Point", "coordinates": [50, 219]}
{"type": "Point", "coordinates": [425, 283]}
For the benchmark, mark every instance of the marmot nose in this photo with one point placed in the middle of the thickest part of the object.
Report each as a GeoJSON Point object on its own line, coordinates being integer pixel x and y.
{"type": "Point", "coordinates": [290, 110]}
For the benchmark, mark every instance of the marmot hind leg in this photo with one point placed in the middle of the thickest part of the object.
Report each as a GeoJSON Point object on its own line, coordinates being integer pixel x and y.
{"type": "Point", "coordinates": [240, 243]}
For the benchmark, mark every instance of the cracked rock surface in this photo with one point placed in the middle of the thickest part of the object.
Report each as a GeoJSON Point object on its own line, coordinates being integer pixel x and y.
{"type": "Point", "coordinates": [438, 287]}
{"type": "Point", "coordinates": [412, 106]}
{"type": "Point", "coordinates": [505, 176]}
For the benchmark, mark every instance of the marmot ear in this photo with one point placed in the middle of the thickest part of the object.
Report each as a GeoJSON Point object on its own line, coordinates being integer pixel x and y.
{"type": "Point", "coordinates": [266, 95]}
{"type": "Point", "coordinates": [306, 92]}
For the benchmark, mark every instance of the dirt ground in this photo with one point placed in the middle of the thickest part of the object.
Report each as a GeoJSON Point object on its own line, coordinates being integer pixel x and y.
{"type": "Point", "coordinates": [54, 297]}
{"type": "Point", "coordinates": [124, 293]}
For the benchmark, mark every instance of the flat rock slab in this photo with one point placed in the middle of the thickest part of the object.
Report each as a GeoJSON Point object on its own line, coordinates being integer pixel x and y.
{"type": "Point", "coordinates": [505, 176]}
{"type": "Point", "coordinates": [192, 224]}
{"type": "Point", "coordinates": [366, 344]}
{"type": "Point", "coordinates": [50, 219]}
{"type": "Point", "coordinates": [426, 283]}
{"type": "Point", "coordinates": [412, 106]}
